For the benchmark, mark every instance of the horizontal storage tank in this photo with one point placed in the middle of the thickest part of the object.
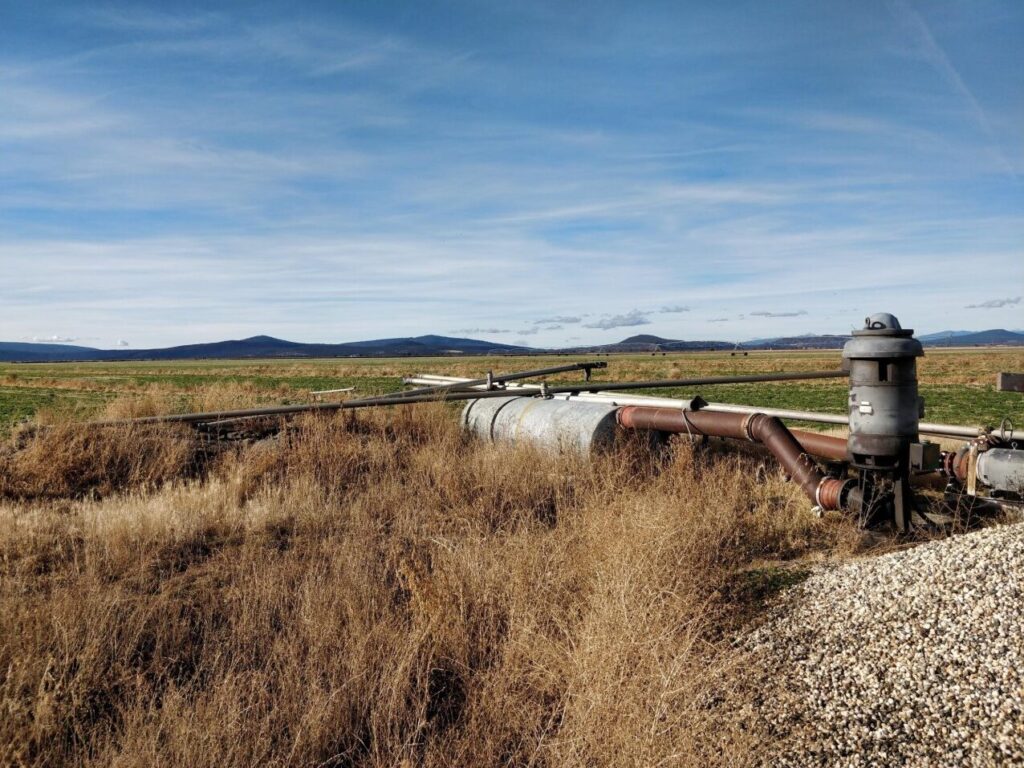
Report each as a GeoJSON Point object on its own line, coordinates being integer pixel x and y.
{"type": "Point", "coordinates": [555, 424]}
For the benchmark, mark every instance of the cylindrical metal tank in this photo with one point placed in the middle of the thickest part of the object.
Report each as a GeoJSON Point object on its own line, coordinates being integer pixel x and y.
{"type": "Point", "coordinates": [884, 405]}
{"type": "Point", "coordinates": [1002, 469]}
{"type": "Point", "coordinates": [556, 424]}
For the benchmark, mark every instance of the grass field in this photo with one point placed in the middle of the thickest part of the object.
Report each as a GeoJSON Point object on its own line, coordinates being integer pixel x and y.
{"type": "Point", "coordinates": [958, 385]}
{"type": "Point", "coordinates": [378, 589]}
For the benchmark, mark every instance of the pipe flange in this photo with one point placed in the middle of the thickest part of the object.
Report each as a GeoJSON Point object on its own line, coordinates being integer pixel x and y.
{"type": "Point", "coordinates": [828, 495]}
{"type": "Point", "coordinates": [747, 424]}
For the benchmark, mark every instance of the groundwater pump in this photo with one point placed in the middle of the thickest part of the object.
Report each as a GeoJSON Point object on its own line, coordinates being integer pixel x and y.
{"type": "Point", "coordinates": [870, 474]}
{"type": "Point", "coordinates": [885, 411]}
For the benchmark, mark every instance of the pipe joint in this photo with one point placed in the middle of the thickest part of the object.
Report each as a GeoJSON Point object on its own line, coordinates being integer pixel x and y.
{"type": "Point", "coordinates": [829, 493]}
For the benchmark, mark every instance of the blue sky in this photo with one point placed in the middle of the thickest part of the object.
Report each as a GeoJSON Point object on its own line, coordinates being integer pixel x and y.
{"type": "Point", "coordinates": [530, 172]}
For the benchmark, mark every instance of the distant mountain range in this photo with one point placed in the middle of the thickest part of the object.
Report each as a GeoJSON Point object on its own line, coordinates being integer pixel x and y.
{"type": "Point", "coordinates": [431, 346]}
{"type": "Point", "coordinates": [262, 346]}
{"type": "Point", "coordinates": [979, 338]}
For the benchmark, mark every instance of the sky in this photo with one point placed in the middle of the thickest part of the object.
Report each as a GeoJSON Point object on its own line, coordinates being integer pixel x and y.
{"type": "Point", "coordinates": [537, 173]}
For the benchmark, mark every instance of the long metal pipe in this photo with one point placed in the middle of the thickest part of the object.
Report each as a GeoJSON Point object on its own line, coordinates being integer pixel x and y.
{"type": "Point", "coordinates": [817, 444]}
{"type": "Point", "coordinates": [489, 381]}
{"type": "Point", "coordinates": [224, 417]}
{"type": "Point", "coordinates": [613, 386]}
{"type": "Point", "coordinates": [590, 397]}
{"type": "Point", "coordinates": [825, 492]}
{"type": "Point", "coordinates": [399, 399]}
{"type": "Point", "coordinates": [925, 427]}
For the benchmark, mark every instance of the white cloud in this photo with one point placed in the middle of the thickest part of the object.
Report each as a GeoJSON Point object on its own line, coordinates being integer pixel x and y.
{"type": "Point", "coordinates": [936, 56]}
{"type": "Point", "coordinates": [632, 318]}
{"type": "Point", "coordinates": [560, 319]}
{"type": "Point", "coordinates": [797, 313]}
{"type": "Point", "coordinates": [305, 205]}
{"type": "Point", "coordinates": [995, 303]}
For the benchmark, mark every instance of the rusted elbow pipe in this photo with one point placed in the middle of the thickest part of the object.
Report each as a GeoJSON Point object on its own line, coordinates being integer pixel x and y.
{"type": "Point", "coordinates": [776, 437]}
{"type": "Point", "coordinates": [825, 492]}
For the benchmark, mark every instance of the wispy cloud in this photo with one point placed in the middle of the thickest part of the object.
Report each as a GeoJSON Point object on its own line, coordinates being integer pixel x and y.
{"type": "Point", "coordinates": [634, 317]}
{"type": "Point", "coordinates": [797, 313]}
{"type": "Point", "coordinates": [480, 330]}
{"type": "Point", "coordinates": [995, 303]}
{"type": "Point", "coordinates": [935, 55]}
{"type": "Point", "coordinates": [559, 320]}
{"type": "Point", "coordinates": [195, 176]}
{"type": "Point", "coordinates": [140, 19]}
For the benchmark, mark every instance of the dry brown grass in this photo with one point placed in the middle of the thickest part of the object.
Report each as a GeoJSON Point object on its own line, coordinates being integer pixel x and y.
{"type": "Point", "coordinates": [378, 590]}
{"type": "Point", "coordinates": [72, 460]}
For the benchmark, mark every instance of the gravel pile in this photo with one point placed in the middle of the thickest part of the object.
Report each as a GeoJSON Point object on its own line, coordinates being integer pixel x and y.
{"type": "Point", "coordinates": [912, 658]}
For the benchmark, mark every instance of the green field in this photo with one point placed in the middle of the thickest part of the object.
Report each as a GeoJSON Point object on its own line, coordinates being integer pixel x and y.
{"type": "Point", "coordinates": [958, 385]}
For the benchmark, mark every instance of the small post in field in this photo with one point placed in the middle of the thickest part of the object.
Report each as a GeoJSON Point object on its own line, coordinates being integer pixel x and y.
{"type": "Point", "coordinates": [1010, 382]}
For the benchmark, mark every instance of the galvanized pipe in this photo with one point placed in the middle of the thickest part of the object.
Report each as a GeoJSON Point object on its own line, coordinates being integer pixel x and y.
{"type": "Point", "coordinates": [573, 427]}
{"type": "Point", "coordinates": [224, 417]}
{"type": "Point", "coordinates": [435, 396]}
{"type": "Point", "coordinates": [751, 378]}
{"type": "Point", "coordinates": [586, 397]}
{"type": "Point", "coordinates": [707, 380]}
{"type": "Point", "coordinates": [925, 427]}
{"type": "Point", "coordinates": [781, 413]}
{"type": "Point", "coordinates": [489, 381]}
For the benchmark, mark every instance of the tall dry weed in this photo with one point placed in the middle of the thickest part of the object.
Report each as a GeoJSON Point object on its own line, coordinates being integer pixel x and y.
{"type": "Point", "coordinates": [380, 590]}
{"type": "Point", "coordinates": [73, 460]}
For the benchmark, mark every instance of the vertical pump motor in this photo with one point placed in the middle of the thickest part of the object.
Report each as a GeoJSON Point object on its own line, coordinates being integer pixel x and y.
{"type": "Point", "coordinates": [884, 404]}
{"type": "Point", "coordinates": [885, 410]}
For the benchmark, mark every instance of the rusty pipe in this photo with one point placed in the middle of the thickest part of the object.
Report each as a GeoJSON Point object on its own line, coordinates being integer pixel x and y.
{"type": "Point", "coordinates": [727, 425]}
{"type": "Point", "coordinates": [776, 437]}
{"type": "Point", "coordinates": [769, 431]}
{"type": "Point", "coordinates": [817, 444]}
{"type": "Point", "coordinates": [684, 422]}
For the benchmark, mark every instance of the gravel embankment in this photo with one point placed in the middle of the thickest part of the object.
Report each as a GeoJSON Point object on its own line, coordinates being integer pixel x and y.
{"type": "Point", "coordinates": [912, 658]}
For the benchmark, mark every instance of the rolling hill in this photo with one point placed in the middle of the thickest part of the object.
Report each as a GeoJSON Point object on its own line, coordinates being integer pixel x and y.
{"type": "Point", "coordinates": [980, 338]}
{"type": "Point", "coordinates": [262, 347]}
{"type": "Point", "coordinates": [433, 345]}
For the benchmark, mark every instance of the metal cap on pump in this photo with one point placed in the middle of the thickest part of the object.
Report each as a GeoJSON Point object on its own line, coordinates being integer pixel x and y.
{"type": "Point", "coordinates": [882, 337]}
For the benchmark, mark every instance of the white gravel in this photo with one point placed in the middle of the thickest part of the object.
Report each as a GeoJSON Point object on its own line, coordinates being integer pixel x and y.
{"type": "Point", "coordinates": [914, 658]}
